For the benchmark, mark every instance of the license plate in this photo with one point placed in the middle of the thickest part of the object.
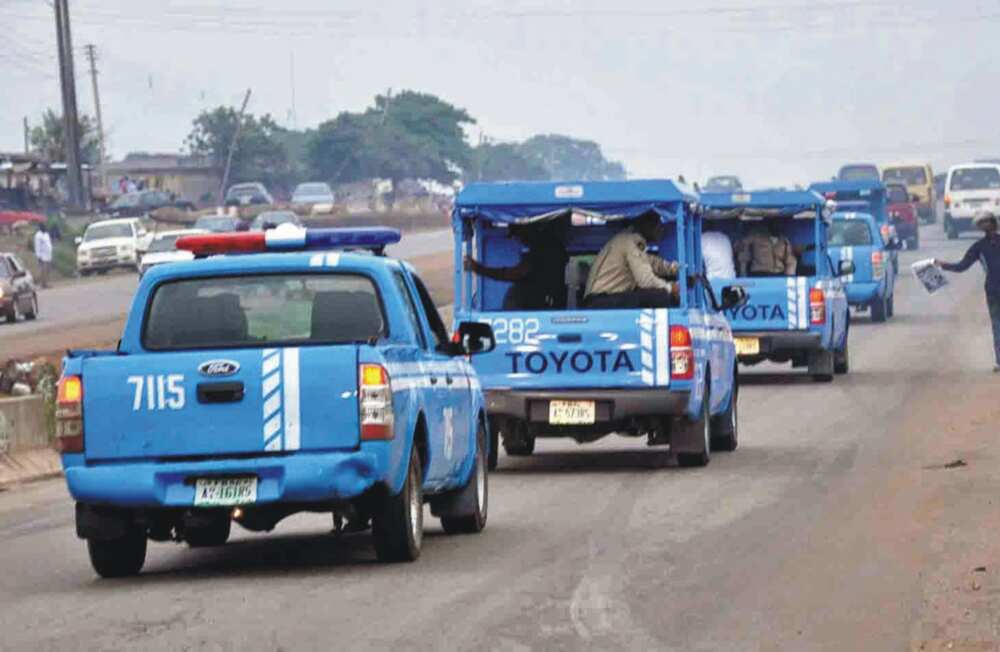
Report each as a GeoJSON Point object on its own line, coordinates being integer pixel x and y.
{"type": "Point", "coordinates": [568, 413]}
{"type": "Point", "coordinates": [222, 492]}
{"type": "Point", "coordinates": [747, 345]}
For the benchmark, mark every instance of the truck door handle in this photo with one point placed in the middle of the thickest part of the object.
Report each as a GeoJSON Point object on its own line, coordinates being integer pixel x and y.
{"type": "Point", "coordinates": [434, 380]}
{"type": "Point", "coordinates": [449, 380]}
{"type": "Point", "coordinates": [227, 392]}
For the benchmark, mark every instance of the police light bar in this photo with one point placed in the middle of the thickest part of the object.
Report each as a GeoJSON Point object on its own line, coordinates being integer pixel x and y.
{"type": "Point", "coordinates": [288, 237]}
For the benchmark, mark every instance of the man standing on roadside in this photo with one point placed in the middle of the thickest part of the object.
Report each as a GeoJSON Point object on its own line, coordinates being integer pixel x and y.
{"type": "Point", "coordinates": [43, 253]}
{"type": "Point", "coordinates": [987, 251]}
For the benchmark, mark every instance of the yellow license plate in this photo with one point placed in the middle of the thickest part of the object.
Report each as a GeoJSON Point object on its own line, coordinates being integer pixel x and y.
{"type": "Point", "coordinates": [572, 413]}
{"type": "Point", "coordinates": [747, 345]}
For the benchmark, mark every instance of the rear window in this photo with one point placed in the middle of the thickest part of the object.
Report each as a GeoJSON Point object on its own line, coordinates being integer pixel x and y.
{"type": "Point", "coordinates": [975, 179]}
{"type": "Point", "coordinates": [263, 310]}
{"type": "Point", "coordinates": [849, 233]}
{"type": "Point", "coordinates": [911, 176]}
{"type": "Point", "coordinates": [858, 173]}
{"type": "Point", "coordinates": [898, 195]}
{"type": "Point", "coordinates": [105, 231]}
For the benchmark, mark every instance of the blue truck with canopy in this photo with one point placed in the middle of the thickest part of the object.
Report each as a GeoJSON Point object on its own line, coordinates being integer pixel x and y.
{"type": "Point", "coordinates": [566, 370]}
{"type": "Point", "coordinates": [803, 317]}
{"type": "Point", "coordinates": [863, 196]}
{"type": "Point", "coordinates": [856, 237]}
{"type": "Point", "coordinates": [281, 374]}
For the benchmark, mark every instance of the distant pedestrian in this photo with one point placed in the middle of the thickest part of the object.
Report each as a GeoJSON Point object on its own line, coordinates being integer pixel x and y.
{"type": "Point", "coordinates": [43, 253]}
{"type": "Point", "coordinates": [123, 185]}
{"type": "Point", "coordinates": [987, 251]}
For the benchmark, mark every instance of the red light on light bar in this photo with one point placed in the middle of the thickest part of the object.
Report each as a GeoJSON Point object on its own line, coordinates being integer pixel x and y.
{"type": "Point", "coordinates": [223, 243]}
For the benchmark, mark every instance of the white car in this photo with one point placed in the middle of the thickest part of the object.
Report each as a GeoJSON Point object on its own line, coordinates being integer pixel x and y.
{"type": "Point", "coordinates": [970, 189]}
{"type": "Point", "coordinates": [163, 249]}
{"type": "Point", "coordinates": [109, 244]}
{"type": "Point", "coordinates": [317, 196]}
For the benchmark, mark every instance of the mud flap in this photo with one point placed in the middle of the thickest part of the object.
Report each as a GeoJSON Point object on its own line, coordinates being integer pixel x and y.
{"type": "Point", "coordinates": [687, 436]}
{"type": "Point", "coordinates": [821, 363]}
{"type": "Point", "coordinates": [102, 523]}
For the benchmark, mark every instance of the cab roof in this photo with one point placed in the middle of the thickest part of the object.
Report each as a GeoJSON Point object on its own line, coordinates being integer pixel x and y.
{"type": "Point", "coordinates": [861, 186]}
{"type": "Point", "coordinates": [292, 261]}
{"type": "Point", "coordinates": [774, 202]}
{"type": "Point", "coordinates": [524, 201]}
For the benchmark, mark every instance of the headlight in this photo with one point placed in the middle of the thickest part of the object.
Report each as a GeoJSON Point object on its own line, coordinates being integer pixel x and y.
{"type": "Point", "coordinates": [1, 292]}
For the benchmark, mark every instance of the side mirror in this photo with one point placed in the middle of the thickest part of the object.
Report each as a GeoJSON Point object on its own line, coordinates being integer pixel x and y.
{"type": "Point", "coordinates": [733, 296]}
{"type": "Point", "coordinates": [20, 273]}
{"type": "Point", "coordinates": [846, 267]}
{"type": "Point", "coordinates": [78, 240]}
{"type": "Point", "coordinates": [474, 337]}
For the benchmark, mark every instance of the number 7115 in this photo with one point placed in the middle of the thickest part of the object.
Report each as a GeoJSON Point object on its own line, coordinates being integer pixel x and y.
{"type": "Point", "coordinates": [158, 392]}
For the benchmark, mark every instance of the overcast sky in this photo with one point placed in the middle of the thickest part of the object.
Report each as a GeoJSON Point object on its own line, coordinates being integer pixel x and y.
{"type": "Point", "coordinates": [777, 91]}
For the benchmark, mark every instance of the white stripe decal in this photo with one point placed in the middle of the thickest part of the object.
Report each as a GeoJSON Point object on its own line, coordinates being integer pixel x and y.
{"type": "Point", "coordinates": [270, 364]}
{"type": "Point", "coordinates": [270, 384]}
{"type": "Point", "coordinates": [290, 368]}
{"type": "Point", "coordinates": [646, 341]}
{"type": "Point", "coordinates": [803, 304]}
{"type": "Point", "coordinates": [662, 357]}
{"type": "Point", "coordinates": [792, 303]}
{"type": "Point", "coordinates": [272, 405]}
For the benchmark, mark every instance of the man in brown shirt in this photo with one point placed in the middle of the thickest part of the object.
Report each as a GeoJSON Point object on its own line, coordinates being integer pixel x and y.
{"type": "Point", "coordinates": [766, 252]}
{"type": "Point", "coordinates": [624, 275]}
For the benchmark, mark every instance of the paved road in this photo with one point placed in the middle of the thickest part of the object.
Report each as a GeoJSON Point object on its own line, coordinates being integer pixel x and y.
{"type": "Point", "coordinates": [106, 299]}
{"type": "Point", "coordinates": [808, 537]}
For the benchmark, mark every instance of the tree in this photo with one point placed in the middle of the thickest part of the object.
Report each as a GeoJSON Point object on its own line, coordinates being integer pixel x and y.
{"type": "Point", "coordinates": [48, 139]}
{"type": "Point", "coordinates": [568, 158]}
{"type": "Point", "coordinates": [260, 154]}
{"type": "Point", "coordinates": [503, 162]}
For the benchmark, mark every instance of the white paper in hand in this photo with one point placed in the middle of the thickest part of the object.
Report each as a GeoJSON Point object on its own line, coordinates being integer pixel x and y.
{"type": "Point", "coordinates": [929, 275]}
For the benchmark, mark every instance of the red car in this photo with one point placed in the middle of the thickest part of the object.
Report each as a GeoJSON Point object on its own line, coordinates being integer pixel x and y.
{"type": "Point", "coordinates": [903, 215]}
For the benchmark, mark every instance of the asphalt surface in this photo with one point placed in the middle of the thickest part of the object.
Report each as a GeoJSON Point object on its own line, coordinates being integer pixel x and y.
{"type": "Point", "coordinates": [105, 299]}
{"type": "Point", "coordinates": [779, 545]}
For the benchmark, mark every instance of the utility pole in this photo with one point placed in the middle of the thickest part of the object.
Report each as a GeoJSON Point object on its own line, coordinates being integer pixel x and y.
{"type": "Point", "coordinates": [92, 56]}
{"type": "Point", "coordinates": [291, 74]}
{"type": "Point", "coordinates": [71, 129]}
{"type": "Point", "coordinates": [27, 136]}
{"type": "Point", "coordinates": [232, 147]}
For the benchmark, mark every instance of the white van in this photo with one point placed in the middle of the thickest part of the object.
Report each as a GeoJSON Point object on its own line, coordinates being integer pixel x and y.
{"type": "Point", "coordinates": [969, 189]}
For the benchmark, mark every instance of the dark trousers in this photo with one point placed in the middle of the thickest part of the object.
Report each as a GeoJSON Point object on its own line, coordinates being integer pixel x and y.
{"type": "Point", "coordinates": [993, 303]}
{"type": "Point", "coordinates": [633, 299]}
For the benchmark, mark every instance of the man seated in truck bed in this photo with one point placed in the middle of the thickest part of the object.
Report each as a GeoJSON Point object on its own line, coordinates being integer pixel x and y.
{"type": "Point", "coordinates": [766, 252]}
{"type": "Point", "coordinates": [625, 275]}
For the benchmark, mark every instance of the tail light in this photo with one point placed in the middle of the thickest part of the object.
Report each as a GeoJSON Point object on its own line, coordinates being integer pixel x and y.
{"type": "Point", "coordinates": [681, 353]}
{"type": "Point", "coordinates": [817, 307]}
{"type": "Point", "coordinates": [878, 264]}
{"type": "Point", "coordinates": [374, 402]}
{"type": "Point", "coordinates": [69, 415]}
{"type": "Point", "coordinates": [947, 201]}
{"type": "Point", "coordinates": [886, 232]}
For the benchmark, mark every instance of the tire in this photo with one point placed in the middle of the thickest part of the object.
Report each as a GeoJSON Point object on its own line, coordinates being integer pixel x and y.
{"type": "Point", "coordinates": [517, 441]}
{"type": "Point", "coordinates": [950, 230]}
{"type": "Point", "coordinates": [725, 427]}
{"type": "Point", "coordinates": [398, 525]}
{"type": "Point", "coordinates": [890, 306]}
{"type": "Point", "coordinates": [33, 313]}
{"type": "Point", "coordinates": [913, 244]}
{"type": "Point", "coordinates": [880, 310]}
{"type": "Point", "coordinates": [215, 534]}
{"type": "Point", "coordinates": [826, 362]}
{"type": "Point", "coordinates": [475, 494]}
{"type": "Point", "coordinates": [121, 557]}
{"type": "Point", "coordinates": [11, 315]}
{"type": "Point", "coordinates": [688, 460]}
{"type": "Point", "coordinates": [494, 454]}
{"type": "Point", "coordinates": [842, 358]}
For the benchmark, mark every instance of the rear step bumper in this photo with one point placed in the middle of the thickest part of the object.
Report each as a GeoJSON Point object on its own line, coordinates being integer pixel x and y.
{"type": "Point", "coordinates": [779, 343]}
{"type": "Point", "coordinates": [611, 404]}
{"type": "Point", "coordinates": [302, 477]}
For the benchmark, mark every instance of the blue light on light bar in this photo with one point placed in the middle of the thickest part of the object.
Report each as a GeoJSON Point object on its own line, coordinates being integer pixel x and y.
{"type": "Point", "coordinates": [370, 237]}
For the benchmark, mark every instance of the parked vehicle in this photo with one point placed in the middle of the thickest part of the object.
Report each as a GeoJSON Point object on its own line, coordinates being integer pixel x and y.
{"type": "Point", "coordinates": [246, 194]}
{"type": "Point", "coordinates": [903, 215]}
{"type": "Point", "coordinates": [855, 237]}
{"type": "Point", "coordinates": [667, 374]}
{"type": "Point", "coordinates": [801, 318]}
{"type": "Point", "coordinates": [969, 189]}
{"type": "Point", "coordinates": [317, 196]}
{"type": "Point", "coordinates": [163, 249]}
{"type": "Point", "coordinates": [859, 172]}
{"type": "Point", "coordinates": [142, 203]}
{"type": "Point", "coordinates": [219, 223]}
{"type": "Point", "coordinates": [247, 388]}
{"type": "Point", "coordinates": [723, 184]}
{"type": "Point", "coordinates": [18, 296]}
{"type": "Point", "coordinates": [110, 244]}
{"type": "Point", "coordinates": [272, 219]}
{"type": "Point", "coordinates": [919, 182]}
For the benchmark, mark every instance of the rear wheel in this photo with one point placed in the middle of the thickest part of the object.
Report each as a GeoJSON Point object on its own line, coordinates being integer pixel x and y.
{"type": "Point", "coordinates": [398, 526]}
{"type": "Point", "coordinates": [879, 310]}
{"type": "Point", "coordinates": [842, 358]}
{"type": "Point", "coordinates": [494, 454]}
{"type": "Point", "coordinates": [474, 495]}
{"type": "Point", "coordinates": [517, 441]}
{"type": "Point", "coordinates": [32, 312]}
{"type": "Point", "coordinates": [120, 557]}
{"type": "Point", "coordinates": [822, 366]}
{"type": "Point", "coordinates": [890, 305]}
{"type": "Point", "coordinates": [703, 424]}
{"type": "Point", "coordinates": [12, 313]}
{"type": "Point", "coordinates": [725, 426]}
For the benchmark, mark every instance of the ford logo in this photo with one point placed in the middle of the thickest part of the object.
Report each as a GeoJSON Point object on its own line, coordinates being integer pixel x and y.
{"type": "Point", "coordinates": [218, 368]}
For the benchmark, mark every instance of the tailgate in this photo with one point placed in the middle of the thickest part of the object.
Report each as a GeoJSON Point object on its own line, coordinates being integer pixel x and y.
{"type": "Point", "coordinates": [577, 349]}
{"type": "Point", "coordinates": [218, 403]}
{"type": "Point", "coordinates": [775, 303]}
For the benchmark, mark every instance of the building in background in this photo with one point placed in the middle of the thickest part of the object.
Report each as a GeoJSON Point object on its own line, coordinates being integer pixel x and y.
{"type": "Point", "coordinates": [191, 178]}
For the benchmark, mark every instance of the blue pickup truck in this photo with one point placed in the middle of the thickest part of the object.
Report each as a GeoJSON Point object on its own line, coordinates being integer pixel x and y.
{"type": "Point", "coordinates": [856, 237]}
{"type": "Point", "coordinates": [863, 196]}
{"type": "Point", "coordinates": [566, 370]}
{"type": "Point", "coordinates": [801, 317]}
{"type": "Point", "coordinates": [283, 375]}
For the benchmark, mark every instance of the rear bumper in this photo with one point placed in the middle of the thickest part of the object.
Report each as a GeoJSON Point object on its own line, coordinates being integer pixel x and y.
{"type": "Point", "coordinates": [777, 343]}
{"type": "Point", "coordinates": [298, 478]}
{"type": "Point", "coordinates": [960, 223]}
{"type": "Point", "coordinates": [862, 294]}
{"type": "Point", "coordinates": [611, 404]}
